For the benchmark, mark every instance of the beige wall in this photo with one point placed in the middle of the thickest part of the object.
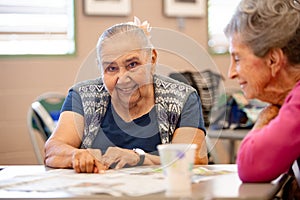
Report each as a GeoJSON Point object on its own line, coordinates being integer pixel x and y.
{"type": "Point", "coordinates": [25, 78]}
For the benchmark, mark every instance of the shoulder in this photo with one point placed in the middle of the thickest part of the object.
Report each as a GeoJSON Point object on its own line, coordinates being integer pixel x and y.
{"type": "Point", "coordinates": [172, 84]}
{"type": "Point", "coordinates": [170, 91]}
{"type": "Point", "coordinates": [297, 87]}
{"type": "Point", "coordinates": [294, 95]}
{"type": "Point", "coordinates": [89, 85]}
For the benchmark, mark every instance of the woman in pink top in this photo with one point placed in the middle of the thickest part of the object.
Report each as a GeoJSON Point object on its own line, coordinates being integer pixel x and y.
{"type": "Point", "coordinates": [264, 38]}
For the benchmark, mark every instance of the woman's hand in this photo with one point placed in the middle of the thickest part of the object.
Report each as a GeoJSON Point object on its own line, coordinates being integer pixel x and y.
{"type": "Point", "coordinates": [119, 157]}
{"type": "Point", "coordinates": [265, 116]}
{"type": "Point", "coordinates": [87, 161]}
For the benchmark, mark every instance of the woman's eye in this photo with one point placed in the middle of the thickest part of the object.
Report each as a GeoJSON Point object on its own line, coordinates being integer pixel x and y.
{"type": "Point", "coordinates": [236, 59]}
{"type": "Point", "coordinates": [111, 69]}
{"type": "Point", "coordinates": [132, 65]}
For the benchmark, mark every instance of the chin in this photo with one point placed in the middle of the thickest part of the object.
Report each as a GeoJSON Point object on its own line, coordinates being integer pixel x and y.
{"type": "Point", "coordinates": [133, 101]}
{"type": "Point", "coordinates": [249, 95]}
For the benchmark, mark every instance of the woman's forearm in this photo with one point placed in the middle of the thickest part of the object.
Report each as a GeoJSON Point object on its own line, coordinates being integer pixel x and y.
{"type": "Point", "coordinates": [151, 159]}
{"type": "Point", "coordinates": [58, 154]}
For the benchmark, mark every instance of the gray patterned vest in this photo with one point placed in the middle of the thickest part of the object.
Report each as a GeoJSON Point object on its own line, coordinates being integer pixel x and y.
{"type": "Point", "coordinates": [170, 97]}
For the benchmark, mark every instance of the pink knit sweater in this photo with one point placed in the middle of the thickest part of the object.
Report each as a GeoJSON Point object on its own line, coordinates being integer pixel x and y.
{"type": "Point", "coordinates": [266, 153]}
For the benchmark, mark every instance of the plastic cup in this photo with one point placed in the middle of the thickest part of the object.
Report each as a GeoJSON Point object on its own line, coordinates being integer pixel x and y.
{"type": "Point", "coordinates": [177, 161]}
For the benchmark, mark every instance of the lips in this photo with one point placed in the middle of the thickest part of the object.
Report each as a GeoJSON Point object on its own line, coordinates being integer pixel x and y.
{"type": "Point", "coordinates": [127, 90]}
{"type": "Point", "coordinates": [242, 84]}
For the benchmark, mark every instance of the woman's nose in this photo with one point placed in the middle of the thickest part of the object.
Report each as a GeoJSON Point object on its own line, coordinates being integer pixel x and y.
{"type": "Point", "coordinates": [123, 75]}
{"type": "Point", "coordinates": [232, 73]}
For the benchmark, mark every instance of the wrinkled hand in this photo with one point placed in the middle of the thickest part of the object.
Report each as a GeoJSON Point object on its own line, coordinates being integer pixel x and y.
{"type": "Point", "coordinates": [119, 157]}
{"type": "Point", "coordinates": [265, 116]}
{"type": "Point", "coordinates": [87, 161]}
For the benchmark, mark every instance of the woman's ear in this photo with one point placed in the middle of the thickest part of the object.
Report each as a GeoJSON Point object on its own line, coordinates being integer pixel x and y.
{"type": "Point", "coordinates": [153, 56]}
{"type": "Point", "coordinates": [276, 60]}
{"type": "Point", "coordinates": [153, 60]}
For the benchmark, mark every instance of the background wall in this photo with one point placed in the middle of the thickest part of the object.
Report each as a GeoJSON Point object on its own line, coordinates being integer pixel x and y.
{"type": "Point", "coordinates": [23, 79]}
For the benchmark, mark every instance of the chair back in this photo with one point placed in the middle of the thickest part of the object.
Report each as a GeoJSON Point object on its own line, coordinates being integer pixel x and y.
{"type": "Point", "coordinates": [207, 85]}
{"type": "Point", "coordinates": [42, 117]}
{"type": "Point", "coordinates": [296, 170]}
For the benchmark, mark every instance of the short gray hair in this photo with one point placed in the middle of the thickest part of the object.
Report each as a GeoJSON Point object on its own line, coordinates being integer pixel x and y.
{"type": "Point", "coordinates": [124, 29]}
{"type": "Point", "coordinates": [266, 24]}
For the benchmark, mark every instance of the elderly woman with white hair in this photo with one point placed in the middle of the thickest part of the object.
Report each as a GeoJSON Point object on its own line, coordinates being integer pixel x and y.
{"type": "Point", "coordinates": [264, 38]}
{"type": "Point", "coordinates": [118, 119]}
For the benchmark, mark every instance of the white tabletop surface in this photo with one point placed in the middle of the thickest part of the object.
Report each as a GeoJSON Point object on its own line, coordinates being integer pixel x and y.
{"type": "Point", "coordinates": [218, 182]}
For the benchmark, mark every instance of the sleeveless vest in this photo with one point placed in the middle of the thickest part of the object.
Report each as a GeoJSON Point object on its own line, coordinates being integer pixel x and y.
{"type": "Point", "coordinates": [170, 97]}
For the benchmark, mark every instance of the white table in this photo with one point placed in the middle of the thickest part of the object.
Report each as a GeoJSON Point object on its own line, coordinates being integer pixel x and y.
{"type": "Point", "coordinates": [222, 186]}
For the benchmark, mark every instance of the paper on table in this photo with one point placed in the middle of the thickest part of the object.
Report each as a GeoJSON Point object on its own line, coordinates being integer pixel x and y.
{"type": "Point", "coordinates": [114, 182]}
{"type": "Point", "coordinates": [128, 181]}
{"type": "Point", "coordinates": [203, 174]}
{"type": "Point", "coordinates": [209, 172]}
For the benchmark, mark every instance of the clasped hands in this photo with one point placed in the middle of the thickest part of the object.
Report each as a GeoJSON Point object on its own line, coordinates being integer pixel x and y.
{"type": "Point", "coordinates": [92, 160]}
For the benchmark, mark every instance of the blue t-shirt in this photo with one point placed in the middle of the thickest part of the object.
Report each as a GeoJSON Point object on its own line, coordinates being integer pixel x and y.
{"type": "Point", "coordinates": [142, 132]}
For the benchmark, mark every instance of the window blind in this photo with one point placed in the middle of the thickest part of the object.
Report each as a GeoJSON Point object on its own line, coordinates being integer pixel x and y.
{"type": "Point", "coordinates": [38, 27]}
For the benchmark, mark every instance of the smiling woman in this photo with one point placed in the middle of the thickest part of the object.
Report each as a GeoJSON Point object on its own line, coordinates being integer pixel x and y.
{"type": "Point", "coordinates": [104, 121]}
{"type": "Point", "coordinates": [267, 66]}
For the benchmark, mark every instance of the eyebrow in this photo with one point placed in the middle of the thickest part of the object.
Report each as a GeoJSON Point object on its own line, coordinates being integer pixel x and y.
{"type": "Point", "coordinates": [233, 53]}
{"type": "Point", "coordinates": [130, 59]}
{"type": "Point", "coordinates": [107, 63]}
